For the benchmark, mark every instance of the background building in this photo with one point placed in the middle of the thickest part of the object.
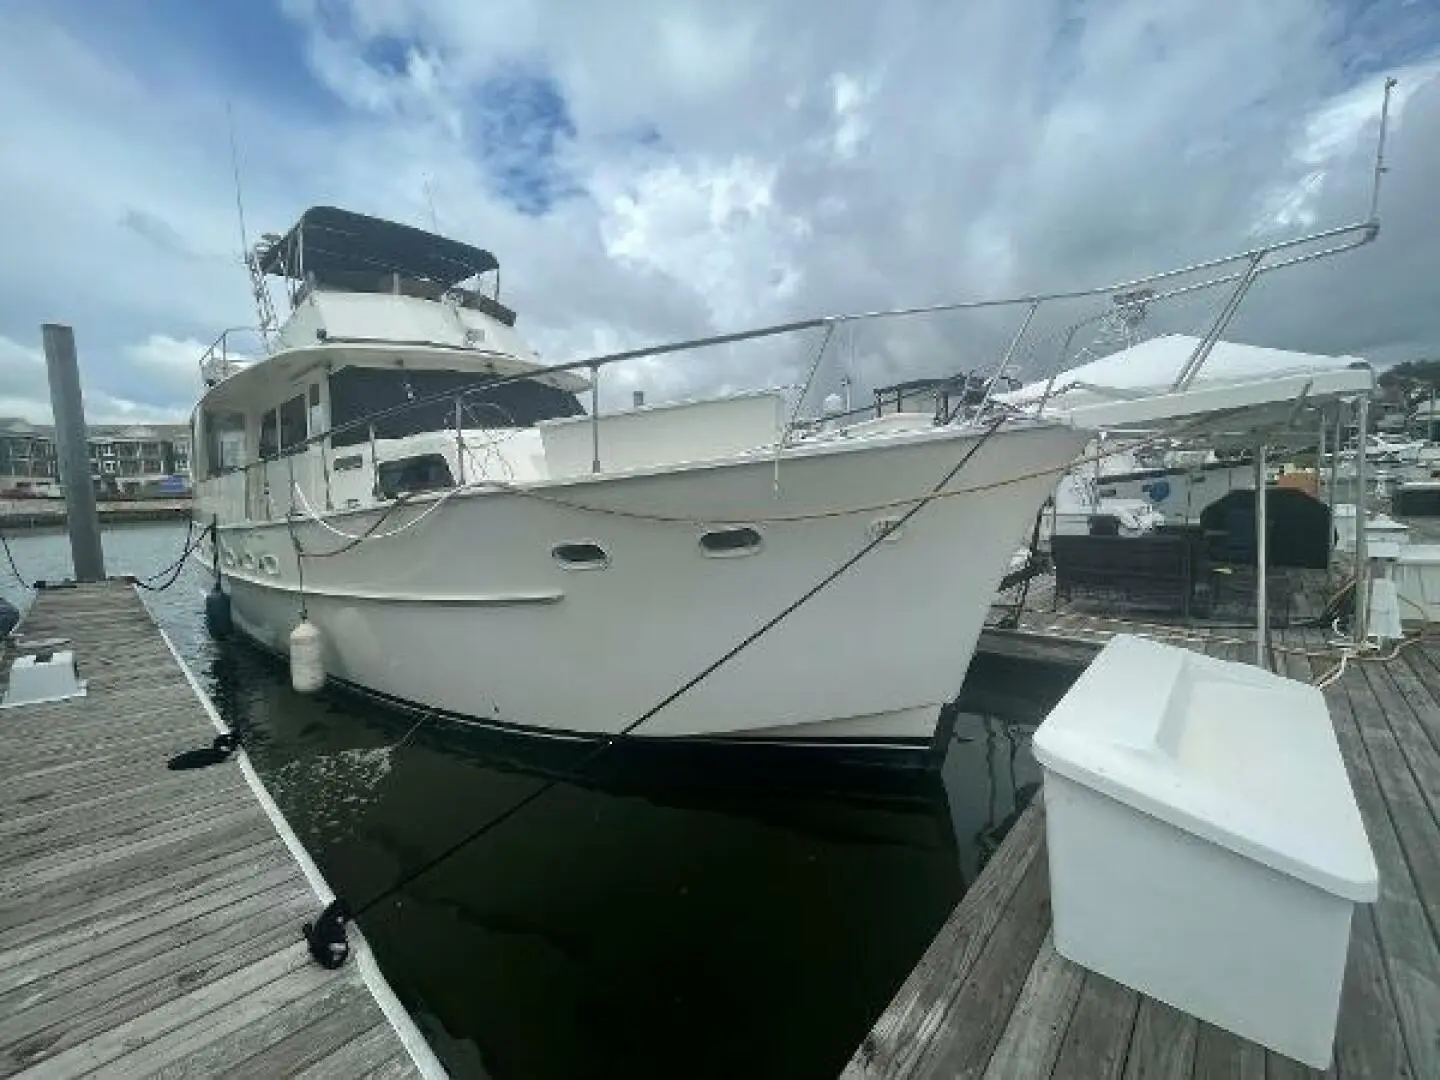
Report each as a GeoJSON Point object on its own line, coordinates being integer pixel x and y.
{"type": "Point", "coordinates": [130, 459]}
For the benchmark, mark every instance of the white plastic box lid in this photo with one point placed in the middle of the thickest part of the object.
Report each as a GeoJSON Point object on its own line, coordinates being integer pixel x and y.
{"type": "Point", "coordinates": [1382, 524]}
{"type": "Point", "coordinates": [1227, 752]}
{"type": "Point", "coordinates": [1419, 554]}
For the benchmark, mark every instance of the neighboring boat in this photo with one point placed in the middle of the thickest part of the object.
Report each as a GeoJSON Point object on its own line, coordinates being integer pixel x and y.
{"type": "Point", "coordinates": [1127, 395]}
{"type": "Point", "coordinates": [1172, 486]}
{"type": "Point", "coordinates": [561, 573]}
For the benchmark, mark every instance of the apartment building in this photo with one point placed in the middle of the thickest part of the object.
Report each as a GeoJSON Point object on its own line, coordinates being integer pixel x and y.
{"type": "Point", "coordinates": [125, 460]}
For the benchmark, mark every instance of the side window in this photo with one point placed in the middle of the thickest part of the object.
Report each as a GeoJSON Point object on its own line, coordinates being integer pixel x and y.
{"type": "Point", "coordinates": [317, 410]}
{"type": "Point", "coordinates": [269, 440]}
{"type": "Point", "coordinates": [225, 442]}
{"type": "Point", "coordinates": [411, 475]}
{"type": "Point", "coordinates": [292, 424]}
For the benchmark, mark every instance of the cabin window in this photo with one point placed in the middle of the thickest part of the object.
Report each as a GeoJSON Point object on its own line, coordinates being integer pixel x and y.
{"type": "Point", "coordinates": [269, 440]}
{"type": "Point", "coordinates": [357, 394]}
{"type": "Point", "coordinates": [407, 476]}
{"type": "Point", "coordinates": [730, 542]}
{"type": "Point", "coordinates": [224, 442]}
{"type": "Point", "coordinates": [292, 424]}
{"type": "Point", "coordinates": [317, 410]}
{"type": "Point", "coordinates": [584, 555]}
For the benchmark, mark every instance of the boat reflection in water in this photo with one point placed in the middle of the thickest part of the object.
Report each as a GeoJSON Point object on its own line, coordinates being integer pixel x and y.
{"type": "Point", "coordinates": [739, 917]}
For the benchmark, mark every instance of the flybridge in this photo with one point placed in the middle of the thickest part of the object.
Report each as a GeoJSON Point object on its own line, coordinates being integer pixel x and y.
{"type": "Point", "coordinates": [332, 247]}
{"type": "Point", "coordinates": [335, 250]}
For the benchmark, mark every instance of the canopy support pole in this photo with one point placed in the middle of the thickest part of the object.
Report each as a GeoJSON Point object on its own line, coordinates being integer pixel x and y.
{"type": "Point", "coordinates": [1335, 469]}
{"type": "Point", "coordinates": [1362, 560]}
{"type": "Point", "coordinates": [1325, 490]}
{"type": "Point", "coordinates": [1262, 553]}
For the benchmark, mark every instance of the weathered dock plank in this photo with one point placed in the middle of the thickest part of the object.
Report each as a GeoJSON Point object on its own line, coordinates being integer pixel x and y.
{"type": "Point", "coordinates": [150, 918]}
{"type": "Point", "coordinates": [1099, 1033]}
{"type": "Point", "coordinates": [1032, 1036]}
{"type": "Point", "coordinates": [1409, 951]}
{"type": "Point", "coordinates": [1162, 1043]}
{"type": "Point", "coordinates": [923, 1006]}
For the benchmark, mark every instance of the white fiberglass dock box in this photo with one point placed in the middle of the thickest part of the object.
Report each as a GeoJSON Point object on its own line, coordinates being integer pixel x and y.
{"type": "Point", "coordinates": [1382, 529]}
{"type": "Point", "coordinates": [1416, 573]}
{"type": "Point", "coordinates": [1205, 847]}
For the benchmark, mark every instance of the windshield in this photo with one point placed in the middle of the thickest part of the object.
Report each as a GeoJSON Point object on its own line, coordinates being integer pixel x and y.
{"type": "Point", "coordinates": [357, 394]}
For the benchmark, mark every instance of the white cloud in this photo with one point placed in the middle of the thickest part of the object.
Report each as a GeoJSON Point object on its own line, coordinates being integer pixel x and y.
{"type": "Point", "coordinates": [25, 392]}
{"type": "Point", "coordinates": [729, 164]}
{"type": "Point", "coordinates": [715, 226]}
{"type": "Point", "coordinates": [849, 96]}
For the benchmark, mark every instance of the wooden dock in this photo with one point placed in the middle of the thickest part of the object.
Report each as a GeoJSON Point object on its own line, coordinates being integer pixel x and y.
{"type": "Point", "coordinates": [991, 998]}
{"type": "Point", "coordinates": [150, 919]}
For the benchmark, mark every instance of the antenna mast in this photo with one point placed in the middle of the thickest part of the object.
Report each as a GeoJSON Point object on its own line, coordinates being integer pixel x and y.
{"type": "Point", "coordinates": [1380, 167]}
{"type": "Point", "coordinates": [430, 202]}
{"type": "Point", "coordinates": [261, 292]}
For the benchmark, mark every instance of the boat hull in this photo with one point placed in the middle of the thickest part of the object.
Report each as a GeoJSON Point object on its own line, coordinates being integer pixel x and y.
{"type": "Point", "coordinates": [467, 611]}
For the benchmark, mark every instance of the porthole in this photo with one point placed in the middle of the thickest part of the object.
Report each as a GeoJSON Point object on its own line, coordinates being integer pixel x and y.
{"type": "Point", "coordinates": [247, 561]}
{"type": "Point", "coordinates": [580, 555]}
{"type": "Point", "coordinates": [269, 564]}
{"type": "Point", "coordinates": [227, 556]}
{"type": "Point", "coordinates": [731, 542]}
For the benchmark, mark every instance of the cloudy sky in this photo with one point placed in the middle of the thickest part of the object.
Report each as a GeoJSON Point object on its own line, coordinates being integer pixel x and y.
{"type": "Point", "coordinates": [653, 169]}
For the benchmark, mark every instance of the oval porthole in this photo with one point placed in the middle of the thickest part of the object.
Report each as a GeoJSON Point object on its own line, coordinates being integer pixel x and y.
{"type": "Point", "coordinates": [580, 555]}
{"type": "Point", "coordinates": [738, 540]}
{"type": "Point", "coordinates": [247, 561]}
{"type": "Point", "coordinates": [269, 564]}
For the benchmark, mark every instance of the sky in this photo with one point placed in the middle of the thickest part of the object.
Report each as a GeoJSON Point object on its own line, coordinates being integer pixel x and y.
{"type": "Point", "coordinates": [648, 170]}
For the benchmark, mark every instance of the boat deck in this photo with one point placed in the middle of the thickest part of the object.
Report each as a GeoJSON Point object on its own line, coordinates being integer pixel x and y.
{"type": "Point", "coordinates": [991, 997]}
{"type": "Point", "coordinates": [150, 919]}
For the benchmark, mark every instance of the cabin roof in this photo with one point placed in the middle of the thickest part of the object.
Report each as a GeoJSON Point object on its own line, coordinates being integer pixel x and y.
{"type": "Point", "coordinates": [332, 245]}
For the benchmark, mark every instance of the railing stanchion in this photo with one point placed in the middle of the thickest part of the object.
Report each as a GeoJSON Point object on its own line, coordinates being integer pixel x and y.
{"type": "Point", "coordinates": [594, 418]}
{"type": "Point", "coordinates": [1227, 312]}
{"type": "Point", "coordinates": [1009, 354]}
{"type": "Point", "coordinates": [460, 440]}
{"type": "Point", "coordinates": [374, 468]}
{"type": "Point", "coordinates": [325, 469]}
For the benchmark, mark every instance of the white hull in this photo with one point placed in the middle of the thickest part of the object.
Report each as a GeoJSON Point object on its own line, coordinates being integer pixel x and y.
{"type": "Point", "coordinates": [469, 613]}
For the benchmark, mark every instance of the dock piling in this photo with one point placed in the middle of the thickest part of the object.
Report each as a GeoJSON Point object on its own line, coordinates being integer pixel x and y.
{"type": "Point", "coordinates": [72, 453]}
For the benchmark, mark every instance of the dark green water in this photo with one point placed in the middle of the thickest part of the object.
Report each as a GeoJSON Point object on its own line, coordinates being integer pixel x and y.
{"type": "Point", "coordinates": [643, 922]}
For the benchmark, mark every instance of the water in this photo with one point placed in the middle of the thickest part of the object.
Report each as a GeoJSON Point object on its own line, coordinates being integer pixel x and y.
{"type": "Point", "coordinates": [643, 922]}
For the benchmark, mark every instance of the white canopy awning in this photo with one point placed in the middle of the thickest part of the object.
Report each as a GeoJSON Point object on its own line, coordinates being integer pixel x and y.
{"type": "Point", "coordinates": [1243, 392]}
